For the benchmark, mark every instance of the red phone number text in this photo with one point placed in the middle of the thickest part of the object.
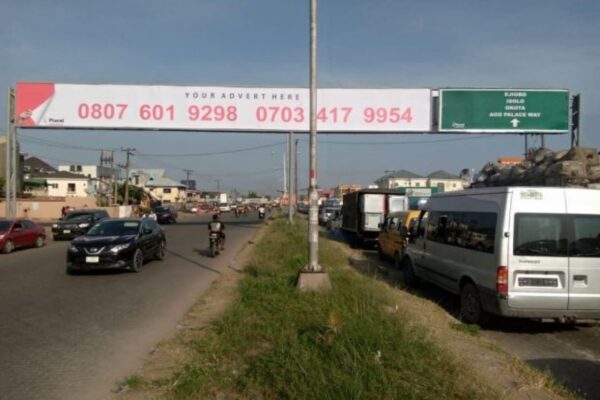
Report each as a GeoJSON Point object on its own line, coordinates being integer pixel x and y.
{"type": "Point", "coordinates": [263, 114]}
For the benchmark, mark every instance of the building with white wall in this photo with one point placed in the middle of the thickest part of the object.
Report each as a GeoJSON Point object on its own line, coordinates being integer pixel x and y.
{"type": "Point", "coordinates": [401, 178]}
{"type": "Point", "coordinates": [443, 180]}
{"type": "Point", "coordinates": [100, 178]}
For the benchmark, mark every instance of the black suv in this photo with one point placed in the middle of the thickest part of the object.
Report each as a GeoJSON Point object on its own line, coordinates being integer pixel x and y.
{"type": "Point", "coordinates": [77, 223]}
{"type": "Point", "coordinates": [165, 214]}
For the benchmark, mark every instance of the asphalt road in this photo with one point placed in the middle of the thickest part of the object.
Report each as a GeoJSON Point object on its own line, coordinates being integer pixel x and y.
{"type": "Point", "coordinates": [75, 337]}
{"type": "Point", "coordinates": [570, 352]}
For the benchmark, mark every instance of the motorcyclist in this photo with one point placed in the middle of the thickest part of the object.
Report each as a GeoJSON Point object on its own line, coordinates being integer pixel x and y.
{"type": "Point", "coordinates": [261, 211]}
{"type": "Point", "coordinates": [216, 225]}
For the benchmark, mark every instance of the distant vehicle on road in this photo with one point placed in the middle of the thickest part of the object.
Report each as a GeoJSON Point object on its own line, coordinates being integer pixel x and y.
{"type": "Point", "coordinates": [302, 208]}
{"type": "Point", "coordinates": [117, 244]}
{"type": "Point", "coordinates": [165, 214]}
{"type": "Point", "coordinates": [76, 223]}
{"type": "Point", "coordinates": [224, 207]}
{"type": "Point", "coordinates": [393, 237]}
{"type": "Point", "coordinates": [326, 213]}
{"type": "Point", "coordinates": [19, 233]}
{"type": "Point", "coordinates": [529, 252]}
{"type": "Point", "coordinates": [363, 211]}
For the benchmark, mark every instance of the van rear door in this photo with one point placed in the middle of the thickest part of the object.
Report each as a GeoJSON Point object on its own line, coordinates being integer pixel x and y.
{"type": "Point", "coordinates": [538, 263]}
{"type": "Point", "coordinates": [583, 205]}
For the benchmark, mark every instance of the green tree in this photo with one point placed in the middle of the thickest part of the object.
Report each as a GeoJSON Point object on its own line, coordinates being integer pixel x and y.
{"type": "Point", "coordinates": [252, 195]}
{"type": "Point", "coordinates": [136, 194]}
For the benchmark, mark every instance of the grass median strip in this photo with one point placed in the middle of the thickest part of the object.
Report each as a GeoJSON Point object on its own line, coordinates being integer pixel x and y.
{"type": "Point", "coordinates": [352, 342]}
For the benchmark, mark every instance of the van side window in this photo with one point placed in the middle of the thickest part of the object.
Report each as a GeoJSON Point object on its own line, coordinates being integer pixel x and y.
{"type": "Point", "coordinates": [541, 235]}
{"type": "Point", "coordinates": [470, 230]}
{"type": "Point", "coordinates": [586, 240]}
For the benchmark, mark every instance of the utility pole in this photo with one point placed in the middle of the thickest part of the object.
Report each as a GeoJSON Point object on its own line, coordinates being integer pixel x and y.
{"type": "Point", "coordinates": [103, 186]}
{"type": "Point", "coordinates": [188, 172]}
{"type": "Point", "coordinates": [116, 184]}
{"type": "Point", "coordinates": [284, 176]}
{"type": "Point", "coordinates": [312, 277]}
{"type": "Point", "coordinates": [11, 158]}
{"type": "Point", "coordinates": [290, 180]}
{"type": "Point", "coordinates": [129, 152]}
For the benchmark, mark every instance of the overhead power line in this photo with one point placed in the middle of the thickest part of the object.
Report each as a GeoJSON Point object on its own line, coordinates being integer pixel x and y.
{"type": "Point", "coordinates": [406, 142]}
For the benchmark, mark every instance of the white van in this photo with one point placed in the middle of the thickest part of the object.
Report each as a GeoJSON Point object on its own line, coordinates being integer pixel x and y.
{"type": "Point", "coordinates": [531, 252]}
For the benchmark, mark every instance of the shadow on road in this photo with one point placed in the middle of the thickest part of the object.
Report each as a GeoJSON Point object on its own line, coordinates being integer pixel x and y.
{"type": "Point", "coordinates": [97, 272]}
{"type": "Point", "coordinates": [237, 224]}
{"type": "Point", "coordinates": [193, 261]}
{"type": "Point", "coordinates": [580, 376]}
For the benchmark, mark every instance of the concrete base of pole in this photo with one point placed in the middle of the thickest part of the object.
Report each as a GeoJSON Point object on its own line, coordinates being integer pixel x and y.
{"type": "Point", "coordinates": [313, 281]}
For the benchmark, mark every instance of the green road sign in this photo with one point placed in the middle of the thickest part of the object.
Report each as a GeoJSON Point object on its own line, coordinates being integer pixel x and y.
{"type": "Point", "coordinates": [504, 110]}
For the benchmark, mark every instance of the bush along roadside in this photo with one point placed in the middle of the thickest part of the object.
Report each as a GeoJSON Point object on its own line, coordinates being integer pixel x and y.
{"type": "Point", "coordinates": [275, 342]}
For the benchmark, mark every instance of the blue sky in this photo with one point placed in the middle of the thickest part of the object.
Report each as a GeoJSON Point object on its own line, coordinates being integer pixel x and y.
{"type": "Point", "coordinates": [376, 43]}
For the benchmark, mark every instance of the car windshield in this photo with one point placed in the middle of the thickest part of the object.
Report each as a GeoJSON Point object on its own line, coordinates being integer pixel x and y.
{"type": "Point", "coordinates": [115, 228]}
{"type": "Point", "coordinates": [161, 209]}
{"type": "Point", "coordinates": [77, 216]}
{"type": "Point", "coordinates": [4, 225]}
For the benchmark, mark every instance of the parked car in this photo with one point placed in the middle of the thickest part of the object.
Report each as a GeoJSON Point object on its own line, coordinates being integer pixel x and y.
{"type": "Point", "coordinates": [18, 233]}
{"type": "Point", "coordinates": [117, 243]}
{"type": "Point", "coordinates": [224, 207]}
{"type": "Point", "coordinates": [325, 213]}
{"type": "Point", "coordinates": [165, 214]}
{"type": "Point", "coordinates": [393, 237]}
{"type": "Point", "coordinates": [302, 208]}
{"type": "Point", "coordinates": [76, 223]}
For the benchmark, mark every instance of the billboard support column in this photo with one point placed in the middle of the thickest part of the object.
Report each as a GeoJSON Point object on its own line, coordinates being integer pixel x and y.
{"type": "Point", "coordinates": [313, 277]}
{"type": "Point", "coordinates": [290, 174]}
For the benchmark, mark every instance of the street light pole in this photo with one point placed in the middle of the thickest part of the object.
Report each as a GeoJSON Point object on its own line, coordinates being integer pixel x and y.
{"type": "Point", "coordinates": [290, 174]}
{"type": "Point", "coordinates": [313, 277]}
{"type": "Point", "coordinates": [313, 227]}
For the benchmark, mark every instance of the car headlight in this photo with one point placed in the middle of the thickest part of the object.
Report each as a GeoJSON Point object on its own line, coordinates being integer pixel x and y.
{"type": "Point", "coordinates": [55, 225]}
{"type": "Point", "coordinates": [2, 237]}
{"type": "Point", "coordinates": [84, 225]}
{"type": "Point", "coordinates": [73, 249]}
{"type": "Point", "coordinates": [120, 247]}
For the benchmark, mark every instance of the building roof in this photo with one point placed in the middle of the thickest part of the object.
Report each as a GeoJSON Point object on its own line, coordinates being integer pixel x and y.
{"type": "Point", "coordinates": [151, 172]}
{"type": "Point", "coordinates": [34, 164]}
{"type": "Point", "coordinates": [442, 175]}
{"type": "Point", "coordinates": [163, 182]}
{"type": "Point", "coordinates": [56, 175]}
{"type": "Point", "coordinates": [402, 173]}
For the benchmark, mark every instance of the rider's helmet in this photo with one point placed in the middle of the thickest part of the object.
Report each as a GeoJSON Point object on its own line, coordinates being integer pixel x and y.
{"type": "Point", "coordinates": [215, 217]}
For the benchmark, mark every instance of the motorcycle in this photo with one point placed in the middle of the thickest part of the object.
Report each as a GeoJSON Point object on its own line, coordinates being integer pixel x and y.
{"type": "Point", "coordinates": [216, 243]}
{"type": "Point", "coordinates": [261, 213]}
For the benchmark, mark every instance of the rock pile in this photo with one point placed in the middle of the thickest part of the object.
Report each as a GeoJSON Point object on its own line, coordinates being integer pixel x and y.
{"type": "Point", "coordinates": [577, 167]}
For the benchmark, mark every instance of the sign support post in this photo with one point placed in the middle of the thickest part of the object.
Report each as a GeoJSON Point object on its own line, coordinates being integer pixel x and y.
{"type": "Point", "coordinates": [313, 277]}
{"type": "Point", "coordinates": [290, 174]}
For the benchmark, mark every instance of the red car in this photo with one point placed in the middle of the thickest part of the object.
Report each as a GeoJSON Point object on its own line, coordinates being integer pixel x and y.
{"type": "Point", "coordinates": [16, 233]}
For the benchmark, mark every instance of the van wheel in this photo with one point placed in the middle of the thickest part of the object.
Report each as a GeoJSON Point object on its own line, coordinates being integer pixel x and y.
{"type": "Point", "coordinates": [380, 253]}
{"type": "Point", "coordinates": [408, 271]}
{"type": "Point", "coordinates": [470, 305]}
{"type": "Point", "coordinates": [397, 261]}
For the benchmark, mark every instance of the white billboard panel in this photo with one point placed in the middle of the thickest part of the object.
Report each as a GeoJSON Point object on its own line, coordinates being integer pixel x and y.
{"type": "Point", "coordinates": [55, 105]}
